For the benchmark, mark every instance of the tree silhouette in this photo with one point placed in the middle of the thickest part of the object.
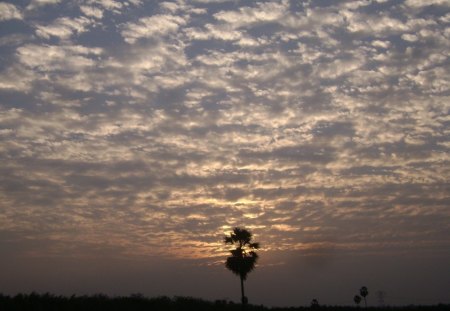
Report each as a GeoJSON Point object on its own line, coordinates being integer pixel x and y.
{"type": "Point", "coordinates": [364, 292]}
{"type": "Point", "coordinates": [243, 258]}
{"type": "Point", "coordinates": [315, 303]}
{"type": "Point", "coordinates": [357, 299]}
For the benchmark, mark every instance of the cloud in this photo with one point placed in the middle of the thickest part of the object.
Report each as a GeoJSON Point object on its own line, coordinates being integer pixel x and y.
{"type": "Point", "coordinates": [63, 28]}
{"type": "Point", "coordinates": [376, 25]}
{"type": "Point", "coordinates": [91, 11]}
{"type": "Point", "coordinates": [220, 32]}
{"type": "Point", "coordinates": [339, 67]}
{"type": "Point", "coordinates": [68, 65]}
{"type": "Point", "coordinates": [382, 44]}
{"type": "Point", "coordinates": [212, 1]}
{"type": "Point", "coordinates": [319, 126]}
{"type": "Point", "coordinates": [111, 5]}
{"type": "Point", "coordinates": [97, 8]}
{"type": "Point", "coordinates": [263, 13]}
{"type": "Point", "coordinates": [34, 4]}
{"type": "Point", "coordinates": [153, 26]}
{"type": "Point", "coordinates": [13, 40]}
{"type": "Point", "coordinates": [16, 78]}
{"type": "Point", "coordinates": [423, 3]}
{"type": "Point", "coordinates": [51, 57]}
{"type": "Point", "coordinates": [9, 11]}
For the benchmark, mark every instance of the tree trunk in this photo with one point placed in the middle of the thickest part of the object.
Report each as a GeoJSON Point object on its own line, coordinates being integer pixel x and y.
{"type": "Point", "coordinates": [365, 302]}
{"type": "Point", "coordinates": [243, 298]}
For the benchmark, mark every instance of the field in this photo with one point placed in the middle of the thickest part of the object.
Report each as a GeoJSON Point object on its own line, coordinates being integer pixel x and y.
{"type": "Point", "coordinates": [49, 302]}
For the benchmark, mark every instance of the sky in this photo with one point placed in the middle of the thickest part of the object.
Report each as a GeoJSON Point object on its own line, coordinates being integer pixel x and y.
{"type": "Point", "coordinates": [134, 135]}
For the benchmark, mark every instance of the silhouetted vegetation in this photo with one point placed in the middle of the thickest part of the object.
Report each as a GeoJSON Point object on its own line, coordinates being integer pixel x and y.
{"type": "Point", "coordinates": [357, 299]}
{"type": "Point", "coordinates": [315, 304]}
{"type": "Point", "coordinates": [243, 258]}
{"type": "Point", "coordinates": [49, 302]}
{"type": "Point", "coordinates": [363, 291]}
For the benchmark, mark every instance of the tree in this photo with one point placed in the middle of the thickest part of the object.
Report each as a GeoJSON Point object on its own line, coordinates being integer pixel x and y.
{"type": "Point", "coordinates": [381, 295]}
{"type": "Point", "coordinates": [243, 258]}
{"type": "Point", "coordinates": [357, 299]}
{"type": "Point", "coordinates": [315, 304]}
{"type": "Point", "coordinates": [364, 292]}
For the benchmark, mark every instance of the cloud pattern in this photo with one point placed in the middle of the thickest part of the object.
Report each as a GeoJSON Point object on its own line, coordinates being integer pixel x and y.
{"type": "Point", "coordinates": [152, 128]}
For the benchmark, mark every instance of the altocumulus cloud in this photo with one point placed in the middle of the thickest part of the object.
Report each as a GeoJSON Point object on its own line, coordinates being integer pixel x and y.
{"type": "Point", "coordinates": [135, 126]}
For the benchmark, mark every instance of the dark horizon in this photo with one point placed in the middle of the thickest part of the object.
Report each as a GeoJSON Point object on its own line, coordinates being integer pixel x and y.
{"type": "Point", "coordinates": [295, 283]}
{"type": "Point", "coordinates": [135, 135]}
{"type": "Point", "coordinates": [138, 301]}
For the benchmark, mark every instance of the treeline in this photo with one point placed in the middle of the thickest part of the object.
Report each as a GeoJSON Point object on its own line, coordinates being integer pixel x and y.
{"type": "Point", "coordinates": [49, 302]}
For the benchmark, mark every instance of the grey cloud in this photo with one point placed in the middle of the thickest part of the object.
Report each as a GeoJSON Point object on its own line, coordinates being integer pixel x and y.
{"type": "Point", "coordinates": [322, 127]}
{"type": "Point", "coordinates": [302, 153]}
{"type": "Point", "coordinates": [325, 129]}
{"type": "Point", "coordinates": [13, 40]}
{"type": "Point", "coordinates": [370, 170]}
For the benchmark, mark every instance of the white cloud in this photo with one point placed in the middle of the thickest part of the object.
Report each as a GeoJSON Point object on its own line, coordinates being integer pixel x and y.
{"type": "Point", "coordinates": [435, 80]}
{"type": "Point", "coordinates": [353, 5]}
{"type": "Point", "coordinates": [91, 11]}
{"type": "Point", "coordinates": [39, 3]}
{"type": "Point", "coordinates": [66, 66]}
{"type": "Point", "coordinates": [63, 27]}
{"type": "Point", "coordinates": [9, 11]}
{"type": "Point", "coordinates": [172, 7]}
{"type": "Point", "coordinates": [154, 66]}
{"type": "Point", "coordinates": [136, 2]}
{"type": "Point", "coordinates": [381, 44]}
{"type": "Point", "coordinates": [247, 41]}
{"type": "Point", "coordinates": [153, 26]}
{"type": "Point", "coordinates": [445, 19]}
{"type": "Point", "coordinates": [212, 31]}
{"type": "Point", "coordinates": [52, 57]}
{"type": "Point", "coordinates": [376, 25]}
{"type": "Point", "coordinates": [212, 1]}
{"type": "Point", "coordinates": [424, 3]}
{"type": "Point", "coordinates": [339, 67]}
{"type": "Point", "coordinates": [314, 19]}
{"type": "Point", "coordinates": [409, 37]}
{"type": "Point", "coordinates": [263, 13]}
{"type": "Point", "coordinates": [285, 228]}
{"type": "Point", "coordinates": [111, 5]}
{"type": "Point", "coordinates": [16, 78]}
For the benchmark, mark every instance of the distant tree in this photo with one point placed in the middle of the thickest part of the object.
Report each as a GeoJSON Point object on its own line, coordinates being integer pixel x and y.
{"type": "Point", "coordinates": [357, 299]}
{"type": "Point", "coordinates": [243, 258]}
{"type": "Point", "coordinates": [364, 292]}
{"type": "Point", "coordinates": [314, 303]}
{"type": "Point", "coordinates": [381, 295]}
